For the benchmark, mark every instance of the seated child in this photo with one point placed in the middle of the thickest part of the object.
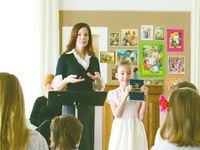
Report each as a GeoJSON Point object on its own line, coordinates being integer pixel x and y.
{"type": "Point", "coordinates": [14, 132]}
{"type": "Point", "coordinates": [66, 131]}
{"type": "Point", "coordinates": [181, 128]}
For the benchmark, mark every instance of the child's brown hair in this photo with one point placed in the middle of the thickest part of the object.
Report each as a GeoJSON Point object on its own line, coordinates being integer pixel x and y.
{"type": "Point", "coordinates": [182, 122]}
{"type": "Point", "coordinates": [182, 84]}
{"type": "Point", "coordinates": [66, 131]}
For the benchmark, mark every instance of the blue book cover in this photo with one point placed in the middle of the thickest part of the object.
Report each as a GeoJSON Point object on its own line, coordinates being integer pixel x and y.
{"type": "Point", "coordinates": [136, 93]}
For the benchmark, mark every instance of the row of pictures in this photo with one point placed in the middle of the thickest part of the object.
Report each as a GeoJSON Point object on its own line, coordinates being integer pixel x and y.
{"type": "Point", "coordinates": [168, 82]}
{"type": "Point", "coordinates": [151, 62]}
{"type": "Point", "coordinates": [129, 37]}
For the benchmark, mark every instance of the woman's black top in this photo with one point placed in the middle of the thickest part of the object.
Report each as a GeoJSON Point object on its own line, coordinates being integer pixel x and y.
{"type": "Point", "coordinates": [68, 65]}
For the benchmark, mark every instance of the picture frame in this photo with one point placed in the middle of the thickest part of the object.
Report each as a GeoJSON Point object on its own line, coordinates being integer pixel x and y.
{"type": "Point", "coordinates": [148, 82]}
{"type": "Point", "coordinates": [175, 40]}
{"type": "Point", "coordinates": [127, 54]}
{"type": "Point", "coordinates": [129, 37]}
{"type": "Point", "coordinates": [114, 39]}
{"type": "Point", "coordinates": [146, 32]}
{"type": "Point", "coordinates": [176, 64]}
{"type": "Point", "coordinates": [159, 33]}
{"type": "Point", "coordinates": [107, 57]}
{"type": "Point", "coordinates": [113, 74]}
{"type": "Point", "coordinates": [152, 59]}
{"type": "Point", "coordinates": [159, 82]}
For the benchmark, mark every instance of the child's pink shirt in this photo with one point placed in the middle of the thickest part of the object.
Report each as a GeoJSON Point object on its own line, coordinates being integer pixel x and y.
{"type": "Point", "coordinates": [131, 106]}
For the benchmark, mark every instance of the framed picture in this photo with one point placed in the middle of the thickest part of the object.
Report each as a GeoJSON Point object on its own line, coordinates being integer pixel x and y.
{"type": "Point", "coordinates": [152, 59]}
{"type": "Point", "coordinates": [148, 82]}
{"type": "Point", "coordinates": [175, 40]}
{"type": "Point", "coordinates": [159, 82]}
{"type": "Point", "coordinates": [114, 39]}
{"type": "Point", "coordinates": [127, 54]}
{"type": "Point", "coordinates": [159, 33]}
{"type": "Point", "coordinates": [176, 65]}
{"type": "Point", "coordinates": [113, 74]}
{"type": "Point", "coordinates": [146, 32]}
{"type": "Point", "coordinates": [129, 37]}
{"type": "Point", "coordinates": [107, 57]}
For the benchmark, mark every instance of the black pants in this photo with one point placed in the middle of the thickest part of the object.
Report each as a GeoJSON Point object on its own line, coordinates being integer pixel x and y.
{"type": "Point", "coordinates": [86, 115]}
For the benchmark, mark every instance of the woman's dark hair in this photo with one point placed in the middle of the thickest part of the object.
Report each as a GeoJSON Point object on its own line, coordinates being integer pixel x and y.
{"type": "Point", "coordinates": [72, 42]}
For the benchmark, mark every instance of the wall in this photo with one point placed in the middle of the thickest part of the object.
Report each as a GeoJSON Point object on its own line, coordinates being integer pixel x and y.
{"type": "Point", "coordinates": [134, 19]}
{"type": "Point", "coordinates": [19, 53]}
{"type": "Point", "coordinates": [126, 5]}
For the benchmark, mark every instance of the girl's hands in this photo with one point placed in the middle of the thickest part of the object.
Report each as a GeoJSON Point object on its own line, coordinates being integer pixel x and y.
{"type": "Point", "coordinates": [144, 89]}
{"type": "Point", "coordinates": [73, 79]}
{"type": "Point", "coordinates": [127, 90]}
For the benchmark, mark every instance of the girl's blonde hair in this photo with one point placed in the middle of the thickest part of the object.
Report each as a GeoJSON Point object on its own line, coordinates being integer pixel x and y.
{"type": "Point", "coordinates": [121, 63]}
{"type": "Point", "coordinates": [66, 132]}
{"type": "Point", "coordinates": [14, 132]}
{"type": "Point", "coordinates": [182, 122]}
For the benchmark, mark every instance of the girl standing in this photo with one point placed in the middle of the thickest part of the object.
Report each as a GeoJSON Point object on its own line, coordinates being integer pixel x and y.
{"type": "Point", "coordinates": [127, 132]}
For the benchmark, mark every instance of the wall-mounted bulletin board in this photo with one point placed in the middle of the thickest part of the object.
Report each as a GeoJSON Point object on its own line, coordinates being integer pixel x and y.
{"type": "Point", "coordinates": [158, 43]}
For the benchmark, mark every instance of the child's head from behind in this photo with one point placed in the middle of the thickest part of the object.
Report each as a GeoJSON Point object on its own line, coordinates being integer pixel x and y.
{"type": "Point", "coordinates": [182, 84]}
{"type": "Point", "coordinates": [13, 129]}
{"type": "Point", "coordinates": [182, 123]}
{"type": "Point", "coordinates": [11, 95]}
{"type": "Point", "coordinates": [124, 72]}
{"type": "Point", "coordinates": [66, 132]}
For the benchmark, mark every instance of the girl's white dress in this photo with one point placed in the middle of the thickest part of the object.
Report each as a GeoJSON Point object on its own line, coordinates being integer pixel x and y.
{"type": "Point", "coordinates": [127, 132]}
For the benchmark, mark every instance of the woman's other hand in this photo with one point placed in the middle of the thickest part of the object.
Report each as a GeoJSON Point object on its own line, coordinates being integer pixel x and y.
{"type": "Point", "coordinates": [73, 79]}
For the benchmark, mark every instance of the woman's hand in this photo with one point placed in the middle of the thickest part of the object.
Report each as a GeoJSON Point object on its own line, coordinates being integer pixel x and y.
{"type": "Point", "coordinates": [95, 77]}
{"type": "Point", "coordinates": [73, 79]}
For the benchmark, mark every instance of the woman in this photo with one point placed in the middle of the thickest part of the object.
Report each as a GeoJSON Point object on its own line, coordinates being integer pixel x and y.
{"type": "Point", "coordinates": [14, 133]}
{"type": "Point", "coordinates": [78, 70]}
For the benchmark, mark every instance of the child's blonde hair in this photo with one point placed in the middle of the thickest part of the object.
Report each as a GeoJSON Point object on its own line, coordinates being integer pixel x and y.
{"type": "Point", "coordinates": [182, 122]}
{"type": "Point", "coordinates": [66, 132]}
{"type": "Point", "coordinates": [121, 63]}
{"type": "Point", "coordinates": [14, 132]}
{"type": "Point", "coordinates": [48, 79]}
